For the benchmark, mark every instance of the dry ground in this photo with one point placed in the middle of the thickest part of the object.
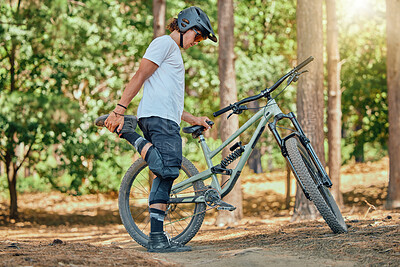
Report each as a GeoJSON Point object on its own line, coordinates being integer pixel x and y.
{"type": "Point", "coordinates": [57, 230]}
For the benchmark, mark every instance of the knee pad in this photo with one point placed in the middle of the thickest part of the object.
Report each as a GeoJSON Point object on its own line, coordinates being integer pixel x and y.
{"type": "Point", "coordinates": [170, 172]}
{"type": "Point", "coordinates": [154, 160]}
{"type": "Point", "coordinates": [156, 165]}
{"type": "Point", "coordinates": [160, 190]}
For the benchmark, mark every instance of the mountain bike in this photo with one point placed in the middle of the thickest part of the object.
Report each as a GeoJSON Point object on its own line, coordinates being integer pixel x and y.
{"type": "Point", "coordinates": [190, 197]}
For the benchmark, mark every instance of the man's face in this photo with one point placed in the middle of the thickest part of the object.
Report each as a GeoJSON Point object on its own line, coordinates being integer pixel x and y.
{"type": "Point", "coordinates": [191, 38]}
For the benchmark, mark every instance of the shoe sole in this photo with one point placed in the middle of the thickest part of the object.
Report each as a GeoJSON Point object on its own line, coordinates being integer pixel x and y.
{"type": "Point", "coordinates": [100, 120]}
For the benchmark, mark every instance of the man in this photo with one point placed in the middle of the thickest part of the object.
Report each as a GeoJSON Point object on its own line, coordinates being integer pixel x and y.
{"type": "Point", "coordinates": [160, 111]}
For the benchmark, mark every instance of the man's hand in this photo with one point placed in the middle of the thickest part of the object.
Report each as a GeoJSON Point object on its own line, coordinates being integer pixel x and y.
{"type": "Point", "coordinates": [114, 120]}
{"type": "Point", "coordinates": [186, 116]}
{"type": "Point", "coordinates": [202, 121]}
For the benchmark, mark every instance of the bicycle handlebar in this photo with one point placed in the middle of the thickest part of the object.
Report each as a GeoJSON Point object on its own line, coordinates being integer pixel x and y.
{"type": "Point", "coordinates": [267, 91]}
{"type": "Point", "coordinates": [305, 62]}
{"type": "Point", "coordinates": [222, 111]}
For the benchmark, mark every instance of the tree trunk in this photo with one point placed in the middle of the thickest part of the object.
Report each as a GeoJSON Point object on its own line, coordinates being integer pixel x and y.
{"type": "Point", "coordinates": [334, 102]}
{"type": "Point", "coordinates": [12, 66]}
{"type": "Point", "coordinates": [310, 95]}
{"type": "Point", "coordinates": [359, 141]}
{"type": "Point", "coordinates": [228, 95]}
{"type": "Point", "coordinates": [159, 7]}
{"type": "Point", "coordinates": [12, 186]}
{"type": "Point", "coordinates": [268, 150]}
{"type": "Point", "coordinates": [254, 160]}
{"type": "Point", "coordinates": [393, 81]}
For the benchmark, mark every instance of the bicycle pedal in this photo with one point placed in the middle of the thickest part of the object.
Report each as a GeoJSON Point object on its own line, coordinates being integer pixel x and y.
{"type": "Point", "coordinates": [221, 205]}
{"type": "Point", "coordinates": [226, 208]}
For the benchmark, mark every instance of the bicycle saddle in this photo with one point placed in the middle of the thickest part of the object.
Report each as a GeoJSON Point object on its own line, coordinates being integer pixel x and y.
{"type": "Point", "coordinates": [196, 130]}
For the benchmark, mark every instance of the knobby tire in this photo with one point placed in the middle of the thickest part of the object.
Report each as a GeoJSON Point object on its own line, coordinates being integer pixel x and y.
{"type": "Point", "coordinates": [183, 220]}
{"type": "Point", "coordinates": [320, 195]}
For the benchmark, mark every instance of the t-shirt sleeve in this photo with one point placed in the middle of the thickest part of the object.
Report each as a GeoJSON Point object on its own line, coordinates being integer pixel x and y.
{"type": "Point", "coordinates": [157, 50]}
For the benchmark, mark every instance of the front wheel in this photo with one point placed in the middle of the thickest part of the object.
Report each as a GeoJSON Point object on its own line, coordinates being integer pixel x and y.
{"type": "Point", "coordinates": [183, 220]}
{"type": "Point", "coordinates": [308, 174]}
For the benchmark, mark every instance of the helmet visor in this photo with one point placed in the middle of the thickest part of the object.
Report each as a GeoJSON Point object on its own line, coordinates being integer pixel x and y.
{"type": "Point", "coordinates": [198, 37]}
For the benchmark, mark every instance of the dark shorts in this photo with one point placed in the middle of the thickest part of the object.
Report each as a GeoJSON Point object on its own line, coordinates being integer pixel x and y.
{"type": "Point", "coordinates": [164, 135]}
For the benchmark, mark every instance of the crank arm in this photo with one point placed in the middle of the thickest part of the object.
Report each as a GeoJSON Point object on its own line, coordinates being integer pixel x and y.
{"type": "Point", "coordinates": [180, 200]}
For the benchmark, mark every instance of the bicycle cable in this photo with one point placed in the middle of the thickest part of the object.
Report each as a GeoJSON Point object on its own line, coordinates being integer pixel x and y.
{"type": "Point", "coordinates": [281, 91]}
{"type": "Point", "coordinates": [292, 130]}
{"type": "Point", "coordinates": [272, 98]}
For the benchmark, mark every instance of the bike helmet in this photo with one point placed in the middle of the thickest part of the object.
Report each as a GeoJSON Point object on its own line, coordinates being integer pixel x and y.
{"type": "Point", "coordinates": [195, 17]}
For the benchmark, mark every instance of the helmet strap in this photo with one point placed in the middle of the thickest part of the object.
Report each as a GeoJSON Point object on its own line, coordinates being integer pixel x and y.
{"type": "Point", "coordinates": [181, 41]}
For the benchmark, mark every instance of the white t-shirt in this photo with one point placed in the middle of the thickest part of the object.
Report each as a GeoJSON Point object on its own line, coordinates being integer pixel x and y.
{"type": "Point", "coordinates": [163, 92]}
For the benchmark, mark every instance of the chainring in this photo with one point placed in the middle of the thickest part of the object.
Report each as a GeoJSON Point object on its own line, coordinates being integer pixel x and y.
{"type": "Point", "coordinates": [211, 196]}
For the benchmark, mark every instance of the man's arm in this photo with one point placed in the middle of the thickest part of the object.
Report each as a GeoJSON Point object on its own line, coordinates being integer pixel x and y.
{"type": "Point", "coordinates": [189, 118]}
{"type": "Point", "coordinates": [146, 69]}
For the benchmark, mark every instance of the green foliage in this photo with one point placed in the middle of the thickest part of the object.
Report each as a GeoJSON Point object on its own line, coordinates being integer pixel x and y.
{"type": "Point", "coordinates": [63, 63]}
{"type": "Point", "coordinates": [34, 121]}
{"type": "Point", "coordinates": [364, 99]}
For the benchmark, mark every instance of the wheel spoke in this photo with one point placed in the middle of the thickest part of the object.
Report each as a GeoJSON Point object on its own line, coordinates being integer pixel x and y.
{"type": "Point", "coordinates": [178, 222]}
{"type": "Point", "coordinates": [137, 216]}
{"type": "Point", "coordinates": [145, 227]}
{"type": "Point", "coordinates": [171, 226]}
{"type": "Point", "coordinates": [186, 213]}
{"type": "Point", "coordinates": [145, 189]}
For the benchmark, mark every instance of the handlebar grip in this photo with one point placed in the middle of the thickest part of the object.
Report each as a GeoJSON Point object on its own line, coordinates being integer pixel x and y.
{"type": "Point", "coordinates": [222, 111]}
{"type": "Point", "coordinates": [305, 62]}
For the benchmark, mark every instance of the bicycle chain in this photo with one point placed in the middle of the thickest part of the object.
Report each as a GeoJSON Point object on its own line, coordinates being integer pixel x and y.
{"type": "Point", "coordinates": [195, 191]}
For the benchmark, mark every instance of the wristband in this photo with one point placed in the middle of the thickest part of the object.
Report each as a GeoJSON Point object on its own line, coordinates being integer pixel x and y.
{"type": "Point", "coordinates": [121, 106]}
{"type": "Point", "coordinates": [118, 113]}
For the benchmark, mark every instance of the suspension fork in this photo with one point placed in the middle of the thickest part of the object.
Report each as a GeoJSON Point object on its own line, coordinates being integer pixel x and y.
{"type": "Point", "coordinates": [306, 143]}
{"type": "Point", "coordinates": [272, 128]}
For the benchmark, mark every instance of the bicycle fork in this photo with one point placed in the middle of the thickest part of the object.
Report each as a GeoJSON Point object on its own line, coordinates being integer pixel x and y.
{"type": "Point", "coordinates": [306, 143]}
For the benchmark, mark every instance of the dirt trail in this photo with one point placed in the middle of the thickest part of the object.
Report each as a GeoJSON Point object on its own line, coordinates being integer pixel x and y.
{"type": "Point", "coordinates": [278, 242]}
{"type": "Point", "coordinates": [374, 240]}
{"type": "Point", "coordinates": [60, 230]}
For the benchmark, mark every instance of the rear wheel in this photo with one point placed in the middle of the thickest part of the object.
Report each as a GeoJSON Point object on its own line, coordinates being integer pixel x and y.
{"type": "Point", "coordinates": [320, 195]}
{"type": "Point", "coordinates": [183, 220]}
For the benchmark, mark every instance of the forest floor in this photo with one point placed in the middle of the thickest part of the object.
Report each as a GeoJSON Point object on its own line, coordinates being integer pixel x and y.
{"type": "Point", "coordinates": [55, 229]}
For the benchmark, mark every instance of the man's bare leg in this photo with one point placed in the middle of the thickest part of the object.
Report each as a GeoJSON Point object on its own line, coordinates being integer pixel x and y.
{"type": "Point", "coordinates": [145, 149]}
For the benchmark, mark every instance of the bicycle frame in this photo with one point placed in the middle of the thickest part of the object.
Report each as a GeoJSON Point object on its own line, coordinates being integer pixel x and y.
{"type": "Point", "coordinates": [266, 113]}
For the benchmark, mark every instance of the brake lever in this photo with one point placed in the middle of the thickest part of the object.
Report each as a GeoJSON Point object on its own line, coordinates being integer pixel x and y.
{"type": "Point", "coordinates": [298, 75]}
{"type": "Point", "coordinates": [295, 77]}
{"type": "Point", "coordinates": [291, 79]}
{"type": "Point", "coordinates": [238, 110]}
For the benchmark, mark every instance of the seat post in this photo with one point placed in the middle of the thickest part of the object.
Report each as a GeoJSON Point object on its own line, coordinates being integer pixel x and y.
{"type": "Point", "coordinates": [206, 150]}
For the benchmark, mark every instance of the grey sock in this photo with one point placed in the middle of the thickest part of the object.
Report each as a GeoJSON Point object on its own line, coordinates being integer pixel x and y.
{"type": "Point", "coordinates": [140, 143]}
